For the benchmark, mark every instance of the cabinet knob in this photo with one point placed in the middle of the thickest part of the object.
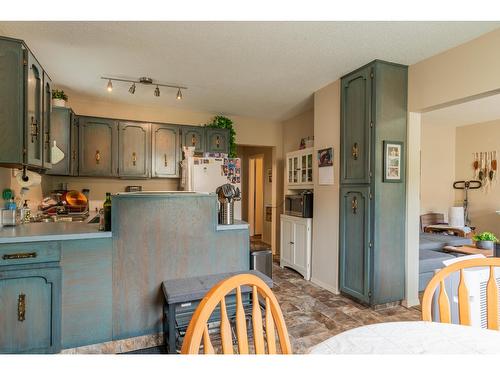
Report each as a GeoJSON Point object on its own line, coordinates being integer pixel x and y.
{"type": "Point", "coordinates": [355, 151]}
{"type": "Point", "coordinates": [134, 159]}
{"type": "Point", "coordinates": [21, 307]}
{"type": "Point", "coordinates": [193, 140]}
{"type": "Point", "coordinates": [97, 157]}
{"type": "Point", "coordinates": [165, 158]}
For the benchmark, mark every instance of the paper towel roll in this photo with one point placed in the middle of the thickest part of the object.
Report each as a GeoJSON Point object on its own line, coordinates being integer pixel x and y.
{"type": "Point", "coordinates": [456, 217]}
{"type": "Point", "coordinates": [32, 179]}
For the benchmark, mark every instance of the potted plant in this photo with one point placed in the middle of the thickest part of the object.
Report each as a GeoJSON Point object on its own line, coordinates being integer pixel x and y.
{"type": "Point", "coordinates": [59, 98]}
{"type": "Point", "coordinates": [485, 240]}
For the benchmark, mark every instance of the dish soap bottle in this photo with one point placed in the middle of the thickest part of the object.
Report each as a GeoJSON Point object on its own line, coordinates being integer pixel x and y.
{"type": "Point", "coordinates": [107, 212]}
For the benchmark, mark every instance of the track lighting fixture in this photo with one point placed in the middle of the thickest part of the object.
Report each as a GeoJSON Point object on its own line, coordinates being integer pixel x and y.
{"type": "Point", "coordinates": [147, 82]}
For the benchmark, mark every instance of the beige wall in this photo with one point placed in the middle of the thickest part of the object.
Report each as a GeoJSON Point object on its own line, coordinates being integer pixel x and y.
{"type": "Point", "coordinates": [296, 128]}
{"type": "Point", "coordinates": [461, 72]}
{"type": "Point", "coordinates": [325, 266]}
{"type": "Point", "coordinates": [481, 137]}
{"type": "Point", "coordinates": [437, 167]}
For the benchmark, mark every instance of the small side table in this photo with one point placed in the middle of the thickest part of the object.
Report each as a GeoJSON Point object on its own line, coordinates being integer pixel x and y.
{"type": "Point", "coordinates": [182, 296]}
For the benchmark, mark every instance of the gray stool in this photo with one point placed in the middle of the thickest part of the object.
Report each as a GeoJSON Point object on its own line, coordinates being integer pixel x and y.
{"type": "Point", "coordinates": [182, 296]}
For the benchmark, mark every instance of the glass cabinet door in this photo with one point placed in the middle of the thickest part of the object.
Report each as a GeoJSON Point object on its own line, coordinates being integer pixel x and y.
{"type": "Point", "coordinates": [290, 170]}
{"type": "Point", "coordinates": [309, 168]}
{"type": "Point", "coordinates": [295, 169]}
{"type": "Point", "coordinates": [303, 169]}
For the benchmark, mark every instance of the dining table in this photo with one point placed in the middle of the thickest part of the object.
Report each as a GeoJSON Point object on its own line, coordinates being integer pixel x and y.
{"type": "Point", "coordinates": [416, 337]}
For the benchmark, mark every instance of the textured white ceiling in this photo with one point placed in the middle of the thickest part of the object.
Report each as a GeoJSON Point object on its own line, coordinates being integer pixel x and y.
{"type": "Point", "coordinates": [471, 112]}
{"type": "Point", "coordinates": [261, 69]}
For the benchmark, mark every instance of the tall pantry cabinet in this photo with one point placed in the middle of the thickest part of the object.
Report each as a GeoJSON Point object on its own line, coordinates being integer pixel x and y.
{"type": "Point", "coordinates": [372, 209]}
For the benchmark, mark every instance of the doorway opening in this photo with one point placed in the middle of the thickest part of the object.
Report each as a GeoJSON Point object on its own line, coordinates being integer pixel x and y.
{"type": "Point", "coordinates": [258, 195]}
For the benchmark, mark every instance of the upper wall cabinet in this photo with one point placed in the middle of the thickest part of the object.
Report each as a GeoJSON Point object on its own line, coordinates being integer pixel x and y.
{"type": "Point", "coordinates": [193, 136]}
{"type": "Point", "coordinates": [133, 151]}
{"type": "Point", "coordinates": [299, 169]}
{"type": "Point", "coordinates": [63, 133]}
{"type": "Point", "coordinates": [217, 140]}
{"type": "Point", "coordinates": [356, 127]}
{"type": "Point", "coordinates": [47, 122]}
{"type": "Point", "coordinates": [97, 147]}
{"type": "Point", "coordinates": [166, 150]}
{"type": "Point", "coordinates": [23, 109]}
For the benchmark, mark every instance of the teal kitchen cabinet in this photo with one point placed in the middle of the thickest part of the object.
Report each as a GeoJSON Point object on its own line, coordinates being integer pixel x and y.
{"type": "Point", "coordinates": [193, 136]}
{"type": "Point", "coordinates": [63, 133]}
{"type": "Point", "coordinates": [97, 146]}
{"type": "Point", "coordinates": [74, 135]}
{"type": "Point", "coordinates": [355, 241]}
{"type": "Point", "coordinates": [372, 211]}
{"type": "Point", "coordinates": [47, 122]}
{"type": "Point", "coordinates": [166, 150]}
{"type": "Point", "coordinates": [217, 140]}
{"type": "Point", "coordinates": [30, 298]}
{"type": "Point", "coordinates": [134, 142]}
{"type": "Point", "coordinates": [23, 109]}
{"type": "Point", "coordinates": [356, 130]}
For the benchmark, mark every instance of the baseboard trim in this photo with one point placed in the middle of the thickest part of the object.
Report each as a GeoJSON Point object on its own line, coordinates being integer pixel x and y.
{"type": "Point", "coordinates": [326, 286]}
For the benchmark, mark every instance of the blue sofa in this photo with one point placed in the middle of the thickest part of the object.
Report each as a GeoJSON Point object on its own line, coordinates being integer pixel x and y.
{"type": "Point", "coordinates": [431, 257]}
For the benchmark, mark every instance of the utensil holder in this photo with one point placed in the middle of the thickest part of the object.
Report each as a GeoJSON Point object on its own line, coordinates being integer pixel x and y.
{"type": "Point", "coordinates": [226, 213]}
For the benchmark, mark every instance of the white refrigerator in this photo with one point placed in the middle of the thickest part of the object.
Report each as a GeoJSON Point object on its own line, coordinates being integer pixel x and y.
{"type": "Point", "coordinates": [202, 174]}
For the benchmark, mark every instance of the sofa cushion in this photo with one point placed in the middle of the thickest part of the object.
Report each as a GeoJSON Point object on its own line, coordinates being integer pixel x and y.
{"type": "Point", "coordinates": [431, 260]}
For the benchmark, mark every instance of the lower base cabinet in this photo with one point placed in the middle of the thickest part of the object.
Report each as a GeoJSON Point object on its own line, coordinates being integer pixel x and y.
{"type": "Point", "coordinates": [30, 309]}
{"type": "Point", "coordinates": [296, 241]}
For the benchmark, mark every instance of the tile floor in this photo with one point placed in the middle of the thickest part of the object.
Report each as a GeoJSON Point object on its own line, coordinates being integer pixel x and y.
{"type": "Point", "coordinates": [313, 314]}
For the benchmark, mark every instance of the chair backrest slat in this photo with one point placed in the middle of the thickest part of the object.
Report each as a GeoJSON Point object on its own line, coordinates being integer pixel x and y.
{"type": "Point", "coordinates": [225, 329]}
{"type": "Point", "coordinates": [270, 336]}
{"type": "Point", "coordinates": [463, 301]}
{"type": "Point", "coordinates": [444, 304]}
{"type": "Point", "coordinates": [258, 334]}
{"type": "Point", "coordinates": [241, 324]}
{"type": "Point", "coordinates": [207, 344]}
{"type": "Point", "coordinates": [463, 293]}
{"type": "Point", "coordinates": [197, 330]}
{"type": "Point", "coordinates": [492, 298]}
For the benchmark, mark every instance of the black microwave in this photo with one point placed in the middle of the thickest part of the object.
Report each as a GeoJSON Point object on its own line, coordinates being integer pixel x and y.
{"type": "Point", "coordinates": [300, 205]}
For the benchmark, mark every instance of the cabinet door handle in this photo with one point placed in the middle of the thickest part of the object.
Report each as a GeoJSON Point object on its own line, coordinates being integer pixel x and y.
{"type": "Point", "coordinates": [47, 141]}
{"type": "Point", "coordinates": [166, 161]}
{"type": "Point", "coordinates": [21, 307]}
{"type": "Point", "coordinates": [34, 129]}
{"type": "Point", "coordinates": [97, 157]}
{"type": "Point", "coordinates": [193, 140]}
{"type": "Point", "coordinates": [74, 154]}
{"type": "Point", "coordinates": [355, 151]}
{"type": "Point", "coordinates": [19, 256]}
{"type": "Point", "coordinates": [354, 205]}
{"type": "Point", "coordinates": [217, 141]}
{"type": "Point", "coordinates": [292, 243]}
{"type": "Point", "coordinates": [134, 159]}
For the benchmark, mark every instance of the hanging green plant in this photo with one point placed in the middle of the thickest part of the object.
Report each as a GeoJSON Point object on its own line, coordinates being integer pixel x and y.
{"type": "Point", "coordinates": [221, 122]}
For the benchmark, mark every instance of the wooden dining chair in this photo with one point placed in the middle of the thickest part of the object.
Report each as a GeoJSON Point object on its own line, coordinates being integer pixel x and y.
{"type": "Point", "coordinates": [463, 293]}
{"type": "Point", "coordinates": [198, 327]}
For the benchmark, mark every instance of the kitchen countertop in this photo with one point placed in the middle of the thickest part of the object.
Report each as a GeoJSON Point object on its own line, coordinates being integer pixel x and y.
{"type": "Point", "coordinates": [59, 231]}
{"type": "Point", "coordinates": [238, 224]}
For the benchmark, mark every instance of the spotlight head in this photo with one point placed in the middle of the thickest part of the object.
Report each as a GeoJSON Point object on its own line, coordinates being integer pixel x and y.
{"type": "Point", "coordinates": [179, 94]}
{"type": "Point", "coordinates": [110, 86]}
{"type": "Point", "coordinates": [157, 91]}
{"type": "Point", "coordinates": [132, 89]}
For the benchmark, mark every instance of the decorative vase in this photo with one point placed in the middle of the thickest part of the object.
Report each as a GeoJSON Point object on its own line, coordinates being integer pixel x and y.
{"type": "Point", "coordinates": [485, 245]}
{"type": "Point", "coordinates": [59, 102]}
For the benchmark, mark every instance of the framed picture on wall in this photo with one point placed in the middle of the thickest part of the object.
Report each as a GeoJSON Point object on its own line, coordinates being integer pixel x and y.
{"type": "Point", "coordinates": [393, 161]}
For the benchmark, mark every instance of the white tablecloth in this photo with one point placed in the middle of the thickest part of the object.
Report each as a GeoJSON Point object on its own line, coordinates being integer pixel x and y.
{"type": "Point", "coordinates": [412, 338]}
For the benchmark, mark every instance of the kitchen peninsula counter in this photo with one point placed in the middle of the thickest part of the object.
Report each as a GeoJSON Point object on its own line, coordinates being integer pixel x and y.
{"type": "Point", "coordinates": [59, 231]}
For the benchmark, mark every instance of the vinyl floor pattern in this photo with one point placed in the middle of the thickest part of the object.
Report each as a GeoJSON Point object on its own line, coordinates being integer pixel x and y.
{"type": "Point", "coordinates": [313, 314]}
